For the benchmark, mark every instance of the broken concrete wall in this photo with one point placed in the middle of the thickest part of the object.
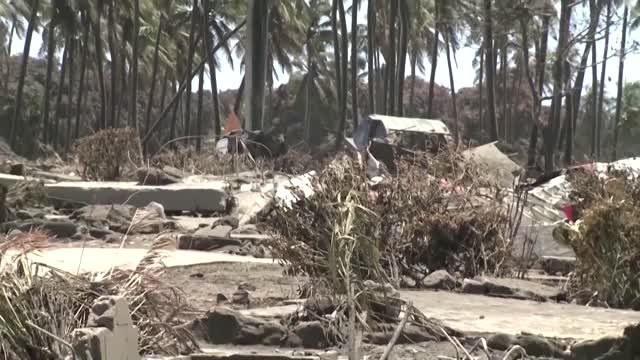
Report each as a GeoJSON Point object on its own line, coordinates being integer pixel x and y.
{"type": "Point", "coordinates": [110, 334]}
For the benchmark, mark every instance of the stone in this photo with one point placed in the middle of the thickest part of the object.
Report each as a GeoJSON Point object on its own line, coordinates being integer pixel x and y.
{"type": "Point", "coordinates": [227, 326]}
{"type": "Point", "coordinates": [206, 239]}
{"type": "Point", "coordinates": [439, 280]}
{"type": "Point", "coordinates": [593, 349]}
{"type": "Point", "coordinates": [511, 288]}
{"type": "Point", "coordinates": [311, 334]}
{"type": "Point", "coordinates": [241, 297]}
{"type": "Point", "coordinates": [410, 335]}
{"type": "Point", "coordinates": [226, 221]}
{"type": "Point", "coordinates": [247, 229]}
{"type": "Point", "coordinates": [248, 205]}
{"type": "Point", "coordinates": [470, 286]}
{"type": "Point", "coordinates": [113, 217]}
{"type": "Point", "coordinates": [99, 233]}
{"type": "Point", "coordinates": [63, 229]}
{"type": "Point", "coordinates": [28, 214]}
{"type": "Point", "coordinates": [533, 345]}
{"type": "Point", "coordinates": [553, 265]}
{"type": "Point", "coordinates": [154, 176]}
{"type": "Point", "coordinates": [174, 172]}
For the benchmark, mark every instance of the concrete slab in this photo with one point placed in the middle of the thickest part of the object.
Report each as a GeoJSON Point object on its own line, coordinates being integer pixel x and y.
{"type": "Point", "coordinates": [102, 260]}
{"type": "Point", "coordinates": [209, 196]}
{"type": "Point", "coordinates": [10, 180]}
{"type": "Point", "coordinates": [477, 313]}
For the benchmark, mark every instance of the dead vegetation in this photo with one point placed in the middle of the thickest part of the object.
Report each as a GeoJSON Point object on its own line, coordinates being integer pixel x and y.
{"type": "Point", "coordinates": [606, 239]}
{"type": "Point", "coordinates": [108, 154]}
{"type": "Point", "coordinates": [40, 306]}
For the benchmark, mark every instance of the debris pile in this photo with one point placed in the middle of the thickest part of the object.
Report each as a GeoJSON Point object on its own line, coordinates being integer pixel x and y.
{"type": "Point", "coordinates": [424, 220]}
{"type": "Point", "coordinates": [605, 237]}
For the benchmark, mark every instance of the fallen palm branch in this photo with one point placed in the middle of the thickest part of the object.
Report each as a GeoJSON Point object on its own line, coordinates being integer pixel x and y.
{"type": "Point", "coordinates": [40, 306]}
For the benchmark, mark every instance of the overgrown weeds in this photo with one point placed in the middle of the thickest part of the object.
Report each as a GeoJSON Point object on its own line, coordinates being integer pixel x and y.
{"type": "Point", "coordinates": [40, 306]}
{"type": "Point", "coordinates": [606, 239]}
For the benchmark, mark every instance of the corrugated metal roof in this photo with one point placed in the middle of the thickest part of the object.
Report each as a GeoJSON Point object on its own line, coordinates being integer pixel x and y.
{"type": "Point", "coordinates": [396, 123]}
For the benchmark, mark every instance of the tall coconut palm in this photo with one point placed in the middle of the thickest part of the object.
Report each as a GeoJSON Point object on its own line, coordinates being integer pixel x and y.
{"type": "Point", "coordinates": [605, 55]}
{"type": "Point", "coordinates": [33, 18]}
{"type": "Point", "coordinates": [620, 93]}
{"type": "Point", "coordinates": [490, 70]}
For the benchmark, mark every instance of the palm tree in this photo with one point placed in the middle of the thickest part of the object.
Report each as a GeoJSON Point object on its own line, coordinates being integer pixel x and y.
{"type": "Point", "coordinates": [602, 77]}
{"type": "Point", "coordinates": [551, 129]}
{"type": "Point", "coordinates": [371, 30]}
{"type": "Point", "coordinates": [255, 62]}
{"type": "Point", "coordinates": [133, 112]}
{"type": "Point", "coordinates": [33, 18]}
{"type": "Point", "coordinates": [354, 63]}
{"type": "Point", "coordinates": [97, 33]}
{"type": "Point", "coordinates": [620, 94]}
{"type": "Point", "coordinates": [490, 69]}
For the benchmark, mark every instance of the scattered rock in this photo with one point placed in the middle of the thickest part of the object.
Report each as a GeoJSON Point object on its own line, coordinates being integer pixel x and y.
{"type": "Point", "coordinates": [206, 239]}
{"type": "Point", "coordinates": [410, 335]}
{"type": "Point", "coordinates": [553, 265]}
{"type": "Point", "coordinates": [246, 286]}
{"type": "Point", "coordinates": [440, 280]}
{"type": "Point", "coordinates": [227, 326]}
{"type": "Point", "coordinates": [511, 288]}
{"type": "Point", "coordinates": [61, 228]}
{"type": "Point", "coordinates": [311, 334]}
{"type": "Point", "coordinates": [533, 345]}
{"type": "Point", "coordinates": [173, 172]}
{"type": "Point", "coordinates": [114, 217]}
{"type": "Point", "coordinates": [240, 297]}
{"type": "Point", "coordinates": [320, 305]}
{"type": "Point", "coordinates": [28, 214]}
{"type": "Point", "coordinates": [154, 176]}
{"type": "Point", "coordinates": [593, 349]}
{"type": "Point", "coordinates": [226, 221]}
{"type": "Point", "coordinates": [221, 299]}
{"type": "Point", "coordinates": [99, 233]}
{"type": "Point", "coordinates": [248, 229]}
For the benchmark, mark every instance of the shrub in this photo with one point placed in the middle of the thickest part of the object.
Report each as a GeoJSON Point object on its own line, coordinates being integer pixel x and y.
{"type": "Point", "coordinates": [104, 155]}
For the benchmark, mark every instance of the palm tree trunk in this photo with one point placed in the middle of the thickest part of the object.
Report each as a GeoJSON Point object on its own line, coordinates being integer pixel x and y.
{"type": "Point", "coordinates": [536, 92]}
{"type": "Point", "coordinates": [602, 77]}
{"type": "Point", "coordinates": [239, 95]}
{"type": "Point", "coordinates": [72, 53]}
{"type": "Point", "coordinates": [23, 73]}
{"type": "Point", "coordinates": [354, 62]}
{"type": "Point", "coordinates": [123, 85]}
{"type": "Point", "coordinates": [505, 74]}
{"type": "Point", "coordinates": [402, 56]}
{"type": "Point", "coordinates": [338, 62]}
{"type": "Point", "coordinates": [192, 45]}
{"type": "Point", "coordinates": [490, 64]}
{"type": "Point", "coordinates": [113, 98]}
{"type": "Point", "coordinates": [208, 43]}
{"type": "Point", "coordinates": [99, 56]}
{"type": "Point", "coordinates": [255, 62]}
{"type": "Point", "coordinates": [165, 86]}
{"type": "Point", "coordinates": [412, 90]}
{"type": "Point", "coordinates": [391, 68]}
{"type": "Point", "coordinates": [199, 113]}
{"type": "Point", "coordinates": [344, 44]}
{"type": "Point", "coordinates": [595, 9]}
{"type": "Point", "coordinates": [456, 133]}
{"type": "Point", "coordinates": [371, 28]}
{"type": "Point", "coordinates": [55, 139]}
{"type": "Point", "coordinates": [483, 127]}
{"type": "Point", "coordinates": [551, 131]}
{"type": "Point", "coordinates": [154, 75]}
{"type": "Point", "coordinates": [432, 78]}
{"type": "Point", "coordinates": [174, 116]}
{"type": "Point", "coordinates": [620, 94]}
{"type": "Point", "coordinates": [9, 62]}
{"type": "Point", "coordinates": [594, 99]}
{"type": "Point", "coordinates": [83, 70]}
{"type": "Point", "coordinates": [133, 106]}
{"type": "Point", "coordinates": [46, 100]}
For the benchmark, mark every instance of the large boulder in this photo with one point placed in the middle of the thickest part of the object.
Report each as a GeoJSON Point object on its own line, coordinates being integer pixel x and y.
{"type": "Point", "coordinates": [440, 280]}
{"type": "Point", "coordinates": [533, 345]}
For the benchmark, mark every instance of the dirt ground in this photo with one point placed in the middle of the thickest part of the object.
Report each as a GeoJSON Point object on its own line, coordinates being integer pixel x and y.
{"type": "Point", "coordinates": [202, 283]}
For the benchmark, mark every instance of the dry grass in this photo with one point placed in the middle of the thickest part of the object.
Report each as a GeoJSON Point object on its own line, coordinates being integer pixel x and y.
{"type": "Point", "coordinates": [40, 306]}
